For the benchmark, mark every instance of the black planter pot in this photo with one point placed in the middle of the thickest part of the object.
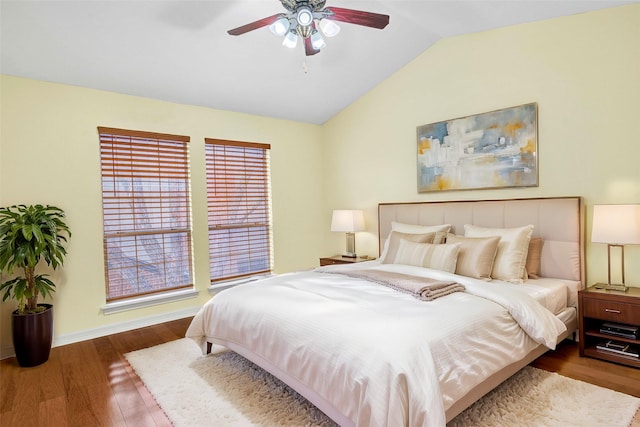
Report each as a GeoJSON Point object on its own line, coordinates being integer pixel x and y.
{"type": "Point", "coordinates": [32, 336]}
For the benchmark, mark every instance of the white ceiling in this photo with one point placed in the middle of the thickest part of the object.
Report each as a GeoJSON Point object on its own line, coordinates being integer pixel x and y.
{"type": "Point", "coordinates": [179, 51]}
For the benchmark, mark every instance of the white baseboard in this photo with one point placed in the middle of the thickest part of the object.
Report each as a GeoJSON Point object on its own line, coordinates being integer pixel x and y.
{"type": "Point", "coordinates": [8, 351]}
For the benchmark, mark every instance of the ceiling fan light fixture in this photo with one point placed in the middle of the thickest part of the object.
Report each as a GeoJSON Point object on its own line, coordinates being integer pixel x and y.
{"type": "Point", "coordinates": [280, 27]}
{"type": "Point", "coordinates": [310, 21]}
{"type": "Point", "coordinates": [290, 40]}
{"type": "Point", "coordinates": [317, 42]}
{"type": "Point", "coordinates": [304, 16]}
{"type": "Point", "coordinates": [329, 28]}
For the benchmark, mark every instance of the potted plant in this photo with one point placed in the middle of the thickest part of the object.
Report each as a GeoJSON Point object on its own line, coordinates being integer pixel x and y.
{"type": "Point", "coordinates": [29, 234]}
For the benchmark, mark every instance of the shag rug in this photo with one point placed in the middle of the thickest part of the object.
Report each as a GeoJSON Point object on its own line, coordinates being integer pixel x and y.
{"type": "Point", "coordinates": [224, 389]}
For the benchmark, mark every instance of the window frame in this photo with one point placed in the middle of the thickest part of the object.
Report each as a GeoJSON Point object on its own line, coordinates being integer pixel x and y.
{"type": "Point", "coordinates": [253, 170]}
{"type": "Point", "coordinates": [156, 161]}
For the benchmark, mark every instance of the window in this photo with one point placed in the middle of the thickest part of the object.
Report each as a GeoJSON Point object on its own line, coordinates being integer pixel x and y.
{"type": "Point", "coordinates": [146, 212]}
{"type": "Point", "coordinates": [239, 203]}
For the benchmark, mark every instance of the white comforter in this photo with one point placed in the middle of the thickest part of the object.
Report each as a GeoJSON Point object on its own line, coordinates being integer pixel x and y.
{"type": "Point", "coordinates": [377, 356]}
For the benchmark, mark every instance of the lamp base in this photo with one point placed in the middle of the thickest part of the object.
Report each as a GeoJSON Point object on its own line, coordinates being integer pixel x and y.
{"type": "Point", "coordinates": [351, 246]}
{"type": "Point", "coordinates": [612, 287]}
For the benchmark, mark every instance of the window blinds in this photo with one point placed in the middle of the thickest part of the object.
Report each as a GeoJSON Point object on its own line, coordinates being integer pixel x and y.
{"type": "Point", "coordinates": [239, 206]}
{"type": "Point", "coordinates": [146, 212]}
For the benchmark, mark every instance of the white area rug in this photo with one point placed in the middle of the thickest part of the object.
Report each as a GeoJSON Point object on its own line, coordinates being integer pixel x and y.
{"type": "Point", "coordinates": [224, 389]}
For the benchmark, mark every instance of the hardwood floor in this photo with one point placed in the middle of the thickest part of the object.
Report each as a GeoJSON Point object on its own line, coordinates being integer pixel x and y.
{"type": "Point", "coordinates": [90, 384]}
{"type": "Point", "coordinates": [85, 384]}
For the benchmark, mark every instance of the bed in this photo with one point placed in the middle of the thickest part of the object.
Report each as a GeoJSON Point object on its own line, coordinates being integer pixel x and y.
{"type": "Point", "coordinates": [365, 348]}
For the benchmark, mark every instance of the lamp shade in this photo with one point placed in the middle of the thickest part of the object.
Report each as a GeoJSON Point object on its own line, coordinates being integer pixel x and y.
{"type": "Point", "coordinates": [317, 41]}
{"type": "Point", "coordinates": [329, 28]}
{"type": "Point", "coordinates": [347, 221]}
{"type": "Point", "coordinates": [280, 27]}
{"type": "Point", "coordinates": [290, 40]}
{"type": "Point", "coordinates": [616, 224]}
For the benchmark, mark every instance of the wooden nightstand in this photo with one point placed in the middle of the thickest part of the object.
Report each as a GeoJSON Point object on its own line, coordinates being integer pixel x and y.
{"type": "Point", "coordinates": [339, 259]}
{"type": "Point", "coordinates": [597, 310]}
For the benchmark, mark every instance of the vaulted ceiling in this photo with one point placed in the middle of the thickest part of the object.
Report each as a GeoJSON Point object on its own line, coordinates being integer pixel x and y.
{"type": "Point", "coordinates": [179, 51]}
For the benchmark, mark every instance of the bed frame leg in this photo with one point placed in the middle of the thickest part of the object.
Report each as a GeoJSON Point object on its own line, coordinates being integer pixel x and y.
{"type": "Point", "coordinates": [209, 345]}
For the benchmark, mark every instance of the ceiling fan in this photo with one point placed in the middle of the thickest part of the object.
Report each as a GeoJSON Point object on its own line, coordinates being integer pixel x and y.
{"type": "Point", "coordinates": [301, 18]}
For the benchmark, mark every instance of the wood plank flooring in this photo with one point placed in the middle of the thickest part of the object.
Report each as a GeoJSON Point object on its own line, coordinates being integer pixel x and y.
{"type": "Point", "coordinates": [85, 384]}
{"type": "Point", "coordinates": [90, 384]}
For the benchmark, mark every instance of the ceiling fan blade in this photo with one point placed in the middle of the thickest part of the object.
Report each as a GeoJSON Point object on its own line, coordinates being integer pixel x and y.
{"type": "Point", "coordinates": [255, 25]}
{"type": "Point", "coordinates": [358, 17]}
{"type": "Point", "coordinates": [308, 48]}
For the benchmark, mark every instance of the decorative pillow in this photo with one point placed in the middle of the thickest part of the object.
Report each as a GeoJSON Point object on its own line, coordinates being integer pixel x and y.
{"type": "Point", "coordinates": [419, 229]}
{"type": "Point", "coordinates": [391, 248]}
{"type": "Point", "coordinates": [532, 266]}
{"type": "Point", "coordinates": [440, 237]}
{"type": "Point", "coordinates": [512, 250]}
{"type": "Point", "coordinates": [438, 257]}
{"type": "Point", "coordinates": [476, 256]}
{"type": "Point", "coordinates": [415, 229]}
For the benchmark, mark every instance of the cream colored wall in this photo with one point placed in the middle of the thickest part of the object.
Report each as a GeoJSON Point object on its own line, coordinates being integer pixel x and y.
{"type": "Point", "coordinates": [49, 146]}
{"type": "Point", "coordinates": [582, 70]}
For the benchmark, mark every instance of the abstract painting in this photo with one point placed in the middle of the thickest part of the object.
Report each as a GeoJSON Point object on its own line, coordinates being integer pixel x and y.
{"type": "Point", "coordinates": [497, 149]}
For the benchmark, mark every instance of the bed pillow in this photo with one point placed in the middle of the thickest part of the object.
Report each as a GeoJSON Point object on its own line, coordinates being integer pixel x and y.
{"type": "Point", "coordinates": [391, 247]}
{"type": "Point", "coordinates": [476, 255]}
{"type": "Point", "coordinates": [443, 229]}
{"type": "Point", "coordinates": [532, 266]}
{"type": "Point", "coordinates": [512, 250]}
{"type": "Point", "coordinates": [437, 256]}
{"type": "Point", "coordinates": [419, 229]}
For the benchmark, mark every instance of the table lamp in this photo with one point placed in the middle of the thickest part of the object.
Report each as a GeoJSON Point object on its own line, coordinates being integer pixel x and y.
{"type": "Point", "coordinates": [348, 221]}
{"type": "Point", "coordinates": [616, 225]}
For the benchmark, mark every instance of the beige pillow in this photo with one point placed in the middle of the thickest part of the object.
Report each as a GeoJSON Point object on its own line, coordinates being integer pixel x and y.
{"type": "Point", "coordinates": [394, 240]}
{"type": "Point", "coordinates": [439, 238]}
{"type": "Point", "coordinates": [532, 266]}
{"type": "Point", "coordinates": [476, 255]}
{"type": "Point", "coordinates": [419, 229]}
{"type": "Point", "coordinates": [415, 229]}
{"type": "Point", "coordinates": [512, 250]}
{"type": "Point", "coordinates": [436, 256]}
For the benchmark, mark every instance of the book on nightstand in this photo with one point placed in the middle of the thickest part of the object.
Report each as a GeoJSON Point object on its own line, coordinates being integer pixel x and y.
{"type": "Point", "coordinates": [619, 348]}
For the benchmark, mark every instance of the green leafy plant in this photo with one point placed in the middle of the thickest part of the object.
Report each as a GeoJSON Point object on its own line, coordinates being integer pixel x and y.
{"type": "Point", "coordinates": [29, 234]}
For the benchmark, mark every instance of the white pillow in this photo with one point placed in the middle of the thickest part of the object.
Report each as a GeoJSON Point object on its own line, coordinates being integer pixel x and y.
{"type": "Point", "coordinates": [414, 229]}
{"type": "Point", "coordinates": [511, 256]}
{"type": "Point", "coordinates": [439, 257]}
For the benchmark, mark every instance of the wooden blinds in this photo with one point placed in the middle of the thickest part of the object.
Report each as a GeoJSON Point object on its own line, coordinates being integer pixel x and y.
{"type": "Point", "coordinates": [146, 212]}
{"type": "Point", "coordinates": [238, 200]}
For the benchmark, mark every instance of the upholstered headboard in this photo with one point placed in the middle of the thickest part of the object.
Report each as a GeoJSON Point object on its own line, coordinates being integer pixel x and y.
{"type": "Point", "coordinates": [558, 221]}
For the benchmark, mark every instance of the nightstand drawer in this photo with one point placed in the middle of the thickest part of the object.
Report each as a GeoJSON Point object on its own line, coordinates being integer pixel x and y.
{"type": "Point", "coordinates": [611, 310]}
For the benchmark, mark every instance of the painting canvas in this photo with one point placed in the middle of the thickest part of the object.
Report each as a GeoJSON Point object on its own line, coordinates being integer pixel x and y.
{"type": "Point", "coordinates": [497, 149]}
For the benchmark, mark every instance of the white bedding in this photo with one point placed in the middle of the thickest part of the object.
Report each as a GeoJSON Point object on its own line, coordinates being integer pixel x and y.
{"type": "Point", "coordinates": [378, 356]}
{"type": "Point", "coordinates": [555, 294]}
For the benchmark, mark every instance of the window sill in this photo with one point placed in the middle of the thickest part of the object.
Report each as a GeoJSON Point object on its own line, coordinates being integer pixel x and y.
{"type": "Point", "coordinates": [219, 286]}
{"type": "Point", "coordinates": [147, 301]}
